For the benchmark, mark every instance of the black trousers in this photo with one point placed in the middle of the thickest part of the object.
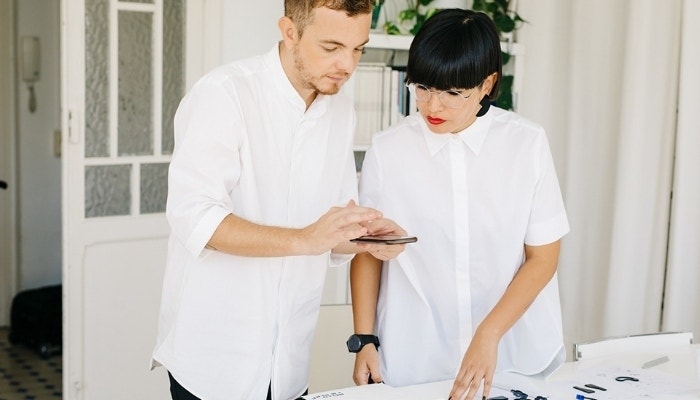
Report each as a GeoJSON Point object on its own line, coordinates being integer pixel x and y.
{"type": "Point", "coordinates": [177, 392]}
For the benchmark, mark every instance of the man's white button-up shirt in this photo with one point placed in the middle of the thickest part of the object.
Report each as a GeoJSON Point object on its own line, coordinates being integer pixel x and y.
{"type": "Point", "coordinates": [245, 144]}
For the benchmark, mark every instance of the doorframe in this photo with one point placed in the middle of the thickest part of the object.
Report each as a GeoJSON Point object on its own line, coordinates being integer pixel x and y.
{"type": "Point", "coordinates": [8, 158]}
{"type": "Point", "coordinates": [83, 240]}
{"type": "Point", "coordinates": [203, 39]}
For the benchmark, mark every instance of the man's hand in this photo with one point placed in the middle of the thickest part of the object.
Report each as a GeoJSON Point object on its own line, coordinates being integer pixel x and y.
{"type": "Point", "coordinates": [383, 252]}
{"type": "Point", "coordinates": [338, 225]}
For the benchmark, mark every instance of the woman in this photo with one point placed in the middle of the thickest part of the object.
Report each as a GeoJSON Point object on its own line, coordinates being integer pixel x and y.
{"type": "Point", "coordinates": [477, 294]}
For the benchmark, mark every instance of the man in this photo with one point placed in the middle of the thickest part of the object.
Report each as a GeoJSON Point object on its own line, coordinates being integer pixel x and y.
{"type": "Point", "coordinates": [261, 189]}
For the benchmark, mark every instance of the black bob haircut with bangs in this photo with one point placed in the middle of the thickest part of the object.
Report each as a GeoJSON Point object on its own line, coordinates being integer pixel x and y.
{"type": "Point", "coordinates": [455, 49]}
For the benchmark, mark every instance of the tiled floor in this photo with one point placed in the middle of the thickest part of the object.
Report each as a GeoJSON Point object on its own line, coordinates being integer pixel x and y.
{"type": "Point", "coordinates": [24, 375]}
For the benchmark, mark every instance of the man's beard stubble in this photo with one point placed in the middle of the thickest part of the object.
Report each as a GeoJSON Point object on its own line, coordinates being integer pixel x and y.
{"type": "Point", "coordinates": [306, 79]}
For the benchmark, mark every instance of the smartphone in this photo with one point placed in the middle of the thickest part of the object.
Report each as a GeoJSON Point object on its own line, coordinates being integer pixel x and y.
{"type": "Point", "coordinates": [385, 239]}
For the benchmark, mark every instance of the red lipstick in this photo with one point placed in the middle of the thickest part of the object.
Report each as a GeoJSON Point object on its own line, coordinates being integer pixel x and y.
{"type": "Point", "coordinates": [434, 120]}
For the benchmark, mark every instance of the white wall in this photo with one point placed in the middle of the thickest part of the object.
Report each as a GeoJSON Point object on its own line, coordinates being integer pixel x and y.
{"type": "Point", "coordinates": [249, 29]}
{"type": "Point", "coordinates": [39, 169]}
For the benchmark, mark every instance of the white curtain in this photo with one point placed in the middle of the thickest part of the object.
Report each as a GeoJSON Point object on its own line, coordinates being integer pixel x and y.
{"type": "Point", "coordinates": [682, 305]}
{"type": "Point", "coordinates": [603, 78]}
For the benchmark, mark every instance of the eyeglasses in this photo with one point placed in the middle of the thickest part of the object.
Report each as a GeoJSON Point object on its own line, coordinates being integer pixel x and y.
{"type": "Point", "coordinates": [448, 98]}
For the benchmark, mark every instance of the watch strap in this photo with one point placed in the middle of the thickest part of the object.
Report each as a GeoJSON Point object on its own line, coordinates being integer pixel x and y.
{"type": "Point", "coordinates": [364, 339]}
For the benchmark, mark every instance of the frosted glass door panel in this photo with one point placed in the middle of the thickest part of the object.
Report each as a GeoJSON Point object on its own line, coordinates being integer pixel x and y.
{"type": "Point", "coordinates": [97, 78]}
{"type": "Point", "coordinates": [173, 68]}
{"type": "Point", "coordinates": [134, 82]}
{"type": "Point", "coordinates": [154, 187]}
{"type": "Point", "coordinates": [135, 108]}
{"type": "Point", "coordinates": [107, 190]}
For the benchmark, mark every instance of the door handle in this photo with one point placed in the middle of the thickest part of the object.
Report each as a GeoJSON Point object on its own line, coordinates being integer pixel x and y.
{"type": "Point", "coordinates": [3, 185]}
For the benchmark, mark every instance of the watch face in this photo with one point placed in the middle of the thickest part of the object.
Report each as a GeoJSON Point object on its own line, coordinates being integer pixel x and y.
{"type": "Point", "coordinates": [354, 343]}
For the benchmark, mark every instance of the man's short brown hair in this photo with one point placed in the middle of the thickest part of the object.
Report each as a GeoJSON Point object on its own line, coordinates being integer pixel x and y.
{"type": "Point", "coordinates": [301, 11]}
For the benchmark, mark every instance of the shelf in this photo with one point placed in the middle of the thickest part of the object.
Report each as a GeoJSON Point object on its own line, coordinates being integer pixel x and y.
{"type": "Point", "coordinates": [378, 40]}
{"type": "Point", "coordinates": [514, 49]}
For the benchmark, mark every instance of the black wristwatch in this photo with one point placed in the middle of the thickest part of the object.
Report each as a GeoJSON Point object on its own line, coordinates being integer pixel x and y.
{"type": "Point", "coordinates": [357, 342]}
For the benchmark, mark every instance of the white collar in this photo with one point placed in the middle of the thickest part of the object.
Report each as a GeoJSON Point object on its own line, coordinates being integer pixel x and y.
{"type": "Point", "coordinates": [473, 135]}
{"type": "Point", "coordinates": [286, 89]}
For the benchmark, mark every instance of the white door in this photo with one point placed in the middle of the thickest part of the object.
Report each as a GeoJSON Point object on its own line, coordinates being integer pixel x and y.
{"type": "Point", "coordinates": [124, 70]}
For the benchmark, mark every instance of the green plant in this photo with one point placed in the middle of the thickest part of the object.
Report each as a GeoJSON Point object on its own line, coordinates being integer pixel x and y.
{"type": "Point", "coordinates": [376, 11]}
{"type": "Point", "coordinates": [410, 19]}
{"type": "Point", "coordinates": [507, 21]}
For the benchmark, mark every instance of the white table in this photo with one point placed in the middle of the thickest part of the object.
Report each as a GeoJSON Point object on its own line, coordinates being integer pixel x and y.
{"type": "Point", "coordinates": [676, 376]}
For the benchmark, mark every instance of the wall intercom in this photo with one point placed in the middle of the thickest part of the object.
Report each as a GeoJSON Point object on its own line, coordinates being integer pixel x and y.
{"type": "Point", "coordinates": [29, 65]}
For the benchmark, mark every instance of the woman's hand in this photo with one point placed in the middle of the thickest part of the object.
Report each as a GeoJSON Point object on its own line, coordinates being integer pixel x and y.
{"type": "Point", "coordinates": [366, 366]}
{"type": "Point", "coordinates": [478, 365]}
{"type": "Point", "coordinates": [384, 226]}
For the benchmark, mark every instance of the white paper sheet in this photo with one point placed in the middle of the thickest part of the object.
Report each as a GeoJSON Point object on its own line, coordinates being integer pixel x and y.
{"type": "Point", "coordinates": [651, 384]}
{"type": "Point", "coordinates": [427, 391]}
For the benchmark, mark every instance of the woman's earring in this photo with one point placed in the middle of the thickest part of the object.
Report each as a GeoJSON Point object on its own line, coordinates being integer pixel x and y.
{"type": "Point", "coordinates": [485, 105]}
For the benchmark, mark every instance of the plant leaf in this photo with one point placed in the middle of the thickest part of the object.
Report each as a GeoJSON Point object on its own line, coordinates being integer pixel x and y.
{"type": "Point", "coordinates": [391, 29]}
{"type": "Point", "coordinates": [478, 5]}
{"type": "Point", "coordinates": [505, 57]}
{"type": "Point", "coordinates": [502, 4]}
{"type": "Point", "coordinates": [504, 23]}
{"type": "Point", "coordinates": [505, 95]}
{"type": "Point", "coordinates": [407, 14]}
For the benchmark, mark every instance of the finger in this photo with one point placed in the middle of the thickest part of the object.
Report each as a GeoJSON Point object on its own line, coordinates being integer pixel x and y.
{"type": "Point", "coordinates": [394, 250]}
{"type": "Point", "coordinates": [457, 391]}
{"type": "Point", "coordinates": [349, 233]}
{"type": "Point", "coordinates": [364, 247]}
{"type": "Point", "coordinates": [376, 377]}
{"type": "Point", "coordinates": [385, 226]}
{"type": "Point", "coordinates": [355, 216]}
{"type": "Point", "coordinates": [473, 388]}
{"type": "Point", "coordinates": [353, 207]}
{"type": "Point", "coordinates": [487, 385]}
{"type": "Point", "coordinates": [364, 378]}
{"type": "Point", "coordinates": [460, 386]}
{"type": "Point", "coordinates": [383, 257]}
{"type": "Point", "coordinates": [378, 255]}
{"type": "Point", "coordinates": [387, 248]}
{"type": "Point", "coordinates": [360, 378]}
{"type": "Point", "coordinates": [486, 391]}
{"type": "Point", "coordinates": [387, 252]}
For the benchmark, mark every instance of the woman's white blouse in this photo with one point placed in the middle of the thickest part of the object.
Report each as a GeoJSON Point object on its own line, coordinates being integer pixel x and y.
{"type": "Point", "coordinates": [473, 199]}
{"type": "Point", "coordinates": [245, 144]}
